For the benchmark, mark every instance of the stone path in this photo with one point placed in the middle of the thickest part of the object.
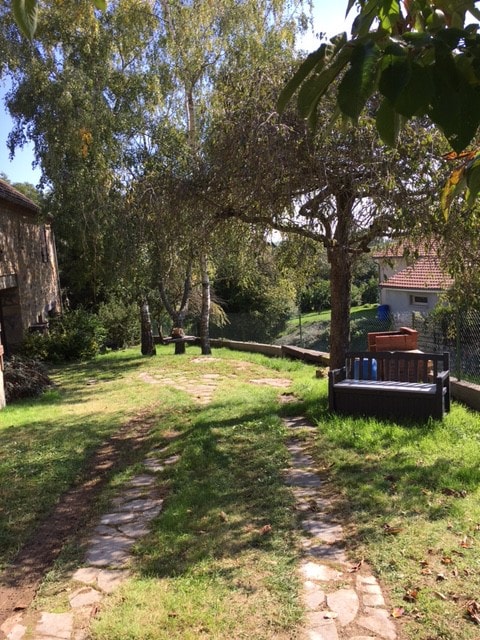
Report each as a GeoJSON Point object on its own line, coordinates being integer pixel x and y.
{"type": "Point", "coordinates": [342, 601]}
{"type": "Point", "coordinates": [106, 559]}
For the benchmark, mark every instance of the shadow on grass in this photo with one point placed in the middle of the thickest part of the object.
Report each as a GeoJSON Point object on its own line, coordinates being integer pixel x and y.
{"type": "Point", "coordinates": [227, 493]}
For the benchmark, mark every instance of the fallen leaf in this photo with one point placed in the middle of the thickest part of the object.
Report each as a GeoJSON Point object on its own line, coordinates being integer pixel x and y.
{"type": "Point", "coordinates": [356, 566]}
{"type": "Point", "coordinates": [440, 595]}
{"type": "Point", "coordinates": [446, 560]}
{"type": "Point", "coordinates": [223, 516]}
{"type": "Point", "coordinates": [466, 543]}
{"type": "Point", "coordinates": [389, 530]}
{"type": "Point", "coordinates": [411, 595]}
{"type": "Point", "coordinates": [473, 610]}
{"type": "Point", "coordinates": [440, 577]}
{"type": "Point", "coordinates": [398, 612]}
{"type": "Point", "coordinates": [265, 529]}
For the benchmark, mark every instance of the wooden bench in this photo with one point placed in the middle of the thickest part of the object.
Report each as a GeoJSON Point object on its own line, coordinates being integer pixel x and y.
{"type": "Point", "coordinates": [391, 384]}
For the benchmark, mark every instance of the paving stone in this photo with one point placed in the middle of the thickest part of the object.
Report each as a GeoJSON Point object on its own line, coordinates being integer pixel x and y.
{"type": "Point", "coordinates": [87, 575]}
{"type": "Point", "coordinates": [327, 531]}
{"type": "Point", "coordinates": [10, 622]}
{"type": "Point", "coordinates": [105, 530]}
{"type": "Point", "coordinates": [325, 551]}
{"type": "Point", "coordinates": [17, 632]}
{"type": "Point", "coordinates": [142, 481]}
{"type": "Point", "coordinates": [299, 423]}
{"type": "Point", "coordinates": [153, 465]}
{"type": "Point", "coordinates": [362, 638]}
{"type": "Point", "coordinates": [311, 503]}
{"type": "Point", "coordinates": [108, 580]}
{"type": "Point", "coordinates": [117, 518]}
{"type": "Point", "coordinates": [345, 604]}
{"type": "Point", "coordinates": [372, 589]}
{"type": "Point", "coordinates": [131, 494]}
{"type": "Point", "coordinates": [362, 580]}
{"type": "Point", "coordinates": [140, 505]}
{"type": "Point", "coordinates": [134, 529]}
{"type": "Point", "coordinates": [313, 596]}
{"type": "Point", "coordinates": [55, 625]}
{"type": "Point", "coordinates": [378, 621]}
{"type": "Point", "coordinates": [173, 459]}
{"type": "Point", "coordinates": [303, 478]}
{"type": "Point", "coordinates": [84, 597]}
{"type": "Point", "coordinates": [321, 628]}
{"type": "Point", "coordinates": [112, 552]}
{"type": "Point", "coordinates": [373, 600]}
{"type": "Point", "coordinates": [319, 572]}
{"type": "Point", "coordinates": [301, 459]}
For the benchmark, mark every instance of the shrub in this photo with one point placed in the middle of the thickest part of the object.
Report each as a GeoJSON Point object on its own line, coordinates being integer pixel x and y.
{"type": "Point", "coordinates": [24, 378]}
{"type": "Point", "coordinates": [121, 323]}
{"type": "Point", "coordinates": [76, 335]}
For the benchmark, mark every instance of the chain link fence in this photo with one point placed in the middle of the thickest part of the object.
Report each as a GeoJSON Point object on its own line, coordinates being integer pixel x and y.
{"type": "Point", "coordinates": [457, 332]}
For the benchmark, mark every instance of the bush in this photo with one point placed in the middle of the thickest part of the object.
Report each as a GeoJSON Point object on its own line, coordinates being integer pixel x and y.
{"type": "Point", "coordinates": [121, 323]}
{"type": "Point", "coordinates": [76, 335]}
{"type": "Point", "coordinates": [24, 378]}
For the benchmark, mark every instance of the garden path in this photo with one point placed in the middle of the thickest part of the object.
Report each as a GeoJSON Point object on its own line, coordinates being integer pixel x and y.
{"type": "Point", "coordinates": [343, 601]}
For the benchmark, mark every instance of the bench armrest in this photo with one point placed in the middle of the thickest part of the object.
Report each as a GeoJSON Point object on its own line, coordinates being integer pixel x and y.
{"type": "Point", "coordinates": [336, 375]}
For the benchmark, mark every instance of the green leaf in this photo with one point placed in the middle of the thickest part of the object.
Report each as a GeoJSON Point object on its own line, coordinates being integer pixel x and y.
{"type": "Point", "coordinates": [395, 77]}
{"type": "Point", "coordinates": [472, 173]}
{"type": "Point", "coordinates": [451, 37]}
{"type": "Point", "coordinates": [388, 123]}
{"type": "Point", "coordinates": [100, 4]}
{"type": "Point", "coordinates": [25, 13]}
{"type": "Point", "coordinates": [315, 87]}
{"type": "Point", "coordinates": [358, 83]}
{"type": "Point", "coordinates": [417, 95]}
{"type": "Point", "coordinates": [312, 61]}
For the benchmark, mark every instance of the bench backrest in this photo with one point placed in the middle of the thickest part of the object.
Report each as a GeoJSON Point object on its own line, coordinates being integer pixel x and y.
{"type": "Point", "coordinates": [395, 365]}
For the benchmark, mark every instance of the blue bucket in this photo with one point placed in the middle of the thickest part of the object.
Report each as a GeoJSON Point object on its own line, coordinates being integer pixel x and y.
{"type": "Point", "coordinates": [365, 375]}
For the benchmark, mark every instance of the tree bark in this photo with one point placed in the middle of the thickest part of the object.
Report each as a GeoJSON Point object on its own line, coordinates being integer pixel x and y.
{"type": "Point", "coordinates": [340, 292]}
{"type": "Point", "coordinates": [148, 345]}
{"type": "Point", "coordinates": [341, 260]}
{"type": "Point", "coordinates": [206, 303]}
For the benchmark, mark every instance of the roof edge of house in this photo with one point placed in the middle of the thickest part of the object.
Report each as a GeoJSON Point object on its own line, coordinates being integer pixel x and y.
{"type": "Point", "coordinates": [10, 194]}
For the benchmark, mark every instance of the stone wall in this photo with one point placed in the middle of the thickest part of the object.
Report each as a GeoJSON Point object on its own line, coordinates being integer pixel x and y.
{"type": "Point", "coordinates": [29, 288]}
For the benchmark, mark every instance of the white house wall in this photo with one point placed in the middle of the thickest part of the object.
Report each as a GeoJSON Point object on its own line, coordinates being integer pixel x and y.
{"type": "Point", "coordinates": [399, 300]}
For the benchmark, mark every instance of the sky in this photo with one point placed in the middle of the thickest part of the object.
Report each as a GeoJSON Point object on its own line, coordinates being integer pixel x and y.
{"type": "Point", "coordinates": [328, 17]}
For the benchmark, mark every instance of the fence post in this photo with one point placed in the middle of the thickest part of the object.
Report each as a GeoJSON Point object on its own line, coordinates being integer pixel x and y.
{"type": "Point", "coordinates": [458, 349]}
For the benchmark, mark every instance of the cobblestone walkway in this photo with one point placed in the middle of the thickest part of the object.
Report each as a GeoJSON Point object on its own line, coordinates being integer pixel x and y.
{"type": "Point", "coordinates": [341, 603]}
{"type": "Point", "coordinates": [106, 560]}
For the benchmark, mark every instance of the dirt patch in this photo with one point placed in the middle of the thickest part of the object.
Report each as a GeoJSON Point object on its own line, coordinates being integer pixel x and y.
{"type": "Point", "coordinates": [19, 582]}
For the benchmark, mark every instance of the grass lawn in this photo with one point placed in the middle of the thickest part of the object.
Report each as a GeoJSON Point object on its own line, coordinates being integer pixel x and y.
{"type": "Point", "coordinates": [409, 496]}
{"type": "Point", "coordinates": [363, 311]}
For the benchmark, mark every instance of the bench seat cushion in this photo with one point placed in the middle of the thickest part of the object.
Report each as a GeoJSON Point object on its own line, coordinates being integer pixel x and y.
{"type": "Point", "coordinates": [376, 386]}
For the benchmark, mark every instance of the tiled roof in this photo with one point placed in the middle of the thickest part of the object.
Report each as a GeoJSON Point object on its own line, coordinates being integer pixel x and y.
{"type": "Point", "coordinates": [424, 274]}
{"type": "Point", "coordinates": [9, 193]}
{"type": "Point", "coordinates": [405, 248]}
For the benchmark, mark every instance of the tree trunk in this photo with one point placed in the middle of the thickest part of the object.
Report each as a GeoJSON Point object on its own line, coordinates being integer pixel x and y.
{"type": "Point", "coordinates": [340, 292]}
{"type": "Point", "coordinates": [148, 345]}
{"type": "Point", "coordinates": [206, 303]}
{"type": "Point", "coordinates": [341, 262]}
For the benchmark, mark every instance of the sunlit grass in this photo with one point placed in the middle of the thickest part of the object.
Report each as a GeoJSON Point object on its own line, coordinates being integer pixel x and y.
{"type": "Point", "coordinates": [409, 495]}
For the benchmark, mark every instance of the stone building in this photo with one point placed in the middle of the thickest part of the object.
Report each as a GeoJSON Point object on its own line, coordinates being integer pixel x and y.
{"type": "Point", "coordinates": [29, 284]}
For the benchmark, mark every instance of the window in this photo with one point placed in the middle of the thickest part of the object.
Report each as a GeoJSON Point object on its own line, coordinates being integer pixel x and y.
{"type": "Point", "coordinates": [44, 244]}
{"type": "Point", "coordinates": [418, 300]}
